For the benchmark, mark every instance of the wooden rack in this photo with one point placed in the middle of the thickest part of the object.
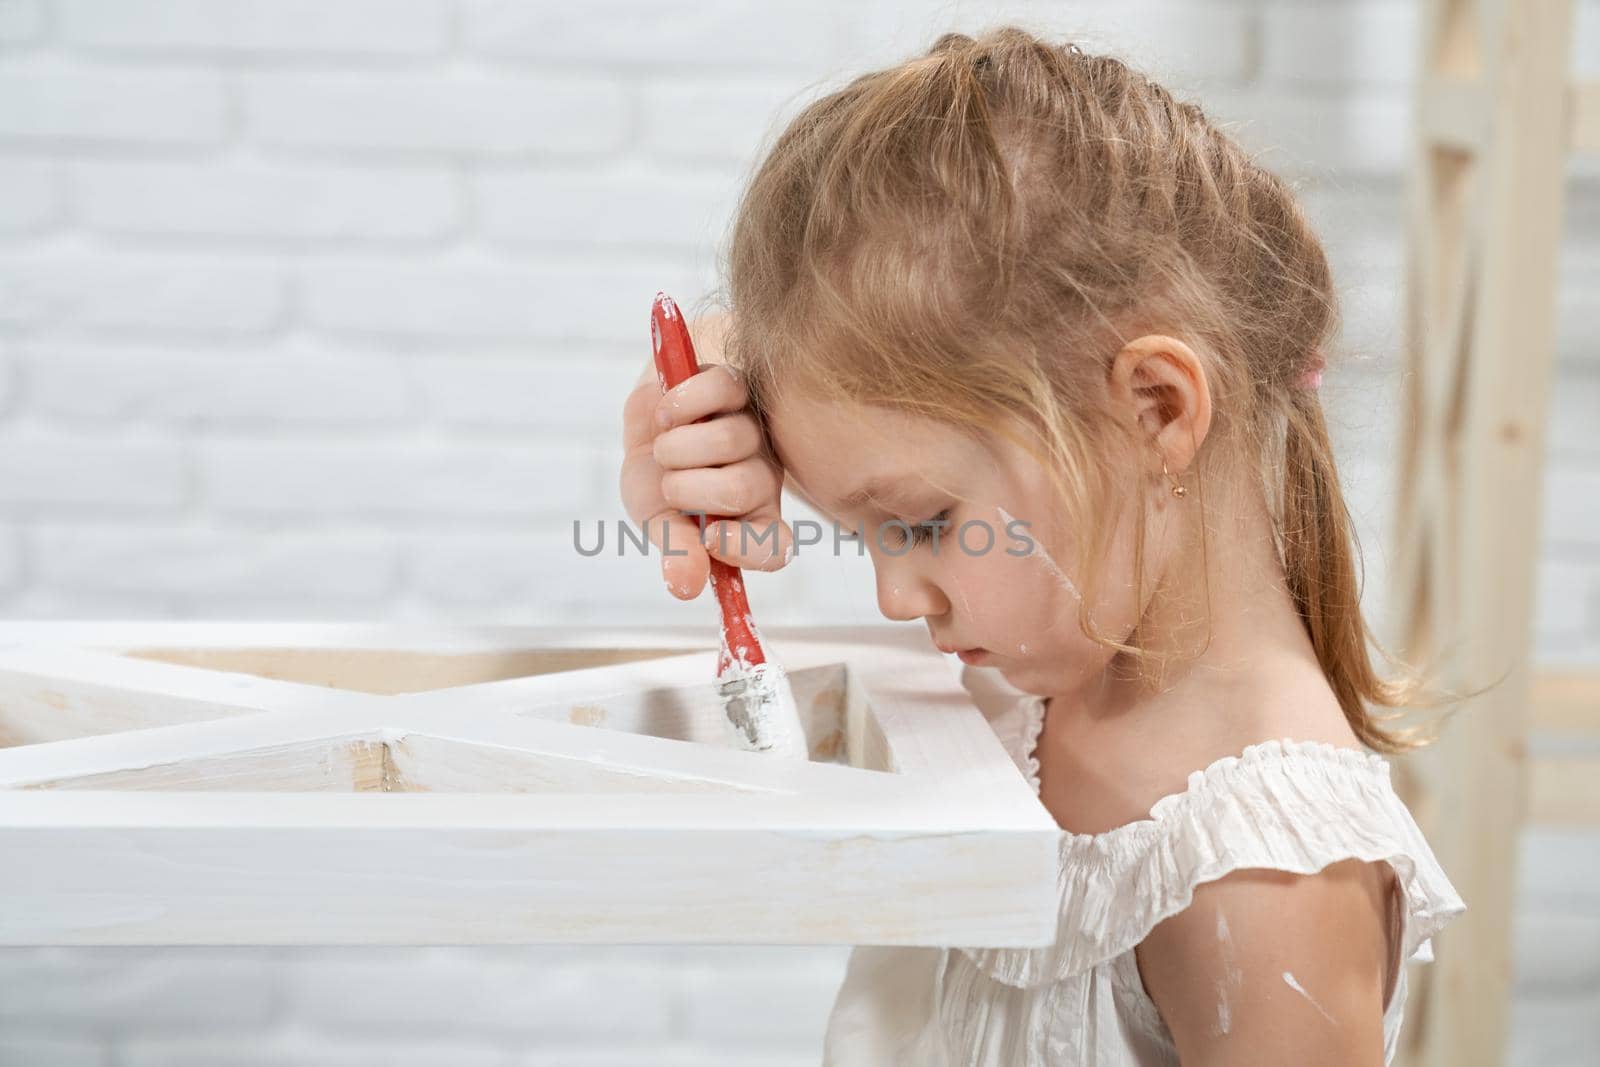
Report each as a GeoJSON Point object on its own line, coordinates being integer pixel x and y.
{"type": "Point", "coordinates": [1498, 116]}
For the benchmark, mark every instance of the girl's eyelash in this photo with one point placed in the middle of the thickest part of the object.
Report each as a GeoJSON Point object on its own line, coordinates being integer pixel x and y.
{"type": "Point", "coordinates": [923, 531]}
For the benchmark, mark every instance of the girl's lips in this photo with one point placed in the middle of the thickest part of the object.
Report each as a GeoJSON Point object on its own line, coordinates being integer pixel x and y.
{"type": "Point", "coordinates": [975, 655]}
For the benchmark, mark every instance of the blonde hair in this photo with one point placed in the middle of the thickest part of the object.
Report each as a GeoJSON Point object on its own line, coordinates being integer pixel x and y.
{"type": "Point", "coordinates": [963, 235]}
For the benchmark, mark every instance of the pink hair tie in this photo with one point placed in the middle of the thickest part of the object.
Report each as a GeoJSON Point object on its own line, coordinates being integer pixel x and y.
{"type": "Point", "coordinates": [1311, 377]}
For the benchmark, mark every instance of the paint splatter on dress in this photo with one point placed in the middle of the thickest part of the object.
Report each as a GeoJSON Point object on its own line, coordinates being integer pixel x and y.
{"type": "Point", "coordinates": [1287, 805]}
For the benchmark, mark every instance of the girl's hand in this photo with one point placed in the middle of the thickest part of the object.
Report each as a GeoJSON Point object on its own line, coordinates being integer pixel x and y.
{"type": "Point", "coordinates": [716, 467]}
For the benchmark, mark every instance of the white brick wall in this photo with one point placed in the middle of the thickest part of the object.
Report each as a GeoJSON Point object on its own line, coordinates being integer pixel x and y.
{"type": "Point", "coordinates": [293, 202]}
{"type": "Point", "coordinates": [291, 29]}
{"type": "Point", "coordinates": [326, 308]}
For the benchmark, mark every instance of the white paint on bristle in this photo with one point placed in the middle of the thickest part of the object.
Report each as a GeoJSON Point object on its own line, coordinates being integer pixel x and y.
{"type": "Point", "coordinates": [768, 718]}
{"type": "Point", "coordinates": [768, 701]}
{"type": "Point", "coordinates": [789, 735]}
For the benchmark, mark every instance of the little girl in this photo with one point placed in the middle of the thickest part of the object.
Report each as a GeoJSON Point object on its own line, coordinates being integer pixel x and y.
{"type": "Point", "coordinates": [1009, 287]}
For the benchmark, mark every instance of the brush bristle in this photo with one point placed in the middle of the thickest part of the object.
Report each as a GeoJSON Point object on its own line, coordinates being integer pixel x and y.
{"type": "Point", "coordinates": [760, 709]}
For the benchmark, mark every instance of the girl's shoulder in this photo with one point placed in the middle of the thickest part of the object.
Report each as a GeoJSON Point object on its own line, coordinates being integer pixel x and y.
{"type": "Point", "coordinates": [1284, 804]}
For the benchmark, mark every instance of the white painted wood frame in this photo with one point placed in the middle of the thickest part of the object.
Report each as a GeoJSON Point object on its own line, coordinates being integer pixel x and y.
{"type": "Point", "coordinates": [277, 783]}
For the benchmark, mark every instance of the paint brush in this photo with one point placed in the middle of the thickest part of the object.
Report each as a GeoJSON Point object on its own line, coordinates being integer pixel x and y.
{"type": "Point", "coordinates": [757, 701]}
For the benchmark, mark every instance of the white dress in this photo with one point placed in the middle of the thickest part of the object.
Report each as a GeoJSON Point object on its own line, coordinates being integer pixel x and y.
{"type": "Point", "coordinates": [1288, 805]}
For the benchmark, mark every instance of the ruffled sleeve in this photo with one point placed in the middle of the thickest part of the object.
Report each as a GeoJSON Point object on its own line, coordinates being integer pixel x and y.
{"type": "Point", "coordinates": [1294, 806]}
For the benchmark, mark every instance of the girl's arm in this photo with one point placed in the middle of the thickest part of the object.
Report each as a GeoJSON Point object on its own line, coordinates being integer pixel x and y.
{"type": "Point", "coordinates": [1269, 967]}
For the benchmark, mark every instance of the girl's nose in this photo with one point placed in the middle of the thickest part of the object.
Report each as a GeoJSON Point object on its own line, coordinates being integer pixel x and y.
{"type": "Point", "coordinates": [903, 595]}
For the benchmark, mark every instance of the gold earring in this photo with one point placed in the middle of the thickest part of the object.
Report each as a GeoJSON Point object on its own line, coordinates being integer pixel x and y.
{"type": "Point", "coordinates": [1177, 488]}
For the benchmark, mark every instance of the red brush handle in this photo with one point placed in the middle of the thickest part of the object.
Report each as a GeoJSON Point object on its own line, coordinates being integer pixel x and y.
{"type": "Point", "coordinates": [676, 363]}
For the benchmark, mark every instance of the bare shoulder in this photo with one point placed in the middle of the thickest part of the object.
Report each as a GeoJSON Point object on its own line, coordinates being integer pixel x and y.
{"type": "Point", "coordinates": [1269, 966]}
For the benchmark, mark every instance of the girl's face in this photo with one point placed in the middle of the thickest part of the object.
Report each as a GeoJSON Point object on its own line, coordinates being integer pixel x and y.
{"type": "Point", "coordinates": [984, 586]}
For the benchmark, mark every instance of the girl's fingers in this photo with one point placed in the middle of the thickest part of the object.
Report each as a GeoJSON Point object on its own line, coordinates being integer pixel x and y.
{"type": "Point", "coordinates": [678, 466]}
{"type": "Point", "coordinates": [715, 390]}
{"type": "Point", "coordinates": [684, 563]}
{"type": "Point", "coordinates": [640, 484]}
{"type": "Point", "coordinates": [760, 541]}
{"type": "Point", "coordinates": [737, 489]}
{"type": "Point", "coordinates": [726, 439]}
{"type": "Point", "coordinates": [639, 414]}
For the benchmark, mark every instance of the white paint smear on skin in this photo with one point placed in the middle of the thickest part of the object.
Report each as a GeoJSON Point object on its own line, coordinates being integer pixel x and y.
{"type": "Point", "coordinates": [1232, 975]}
{"type": "Point", "coordinates": [962, 593]}
{"type": "Point", "coordinates": [1296, 986]}
{"type": "Point", "coordinates": [1049, 563]}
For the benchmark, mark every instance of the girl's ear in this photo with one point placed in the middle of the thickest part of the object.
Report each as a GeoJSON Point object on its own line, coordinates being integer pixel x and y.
{"type": "Point", "coordinates": [1157, 383]}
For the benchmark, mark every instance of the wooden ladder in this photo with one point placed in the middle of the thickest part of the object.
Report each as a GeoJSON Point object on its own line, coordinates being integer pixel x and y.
{"type": "Point", "coordinates": [1497, 116]}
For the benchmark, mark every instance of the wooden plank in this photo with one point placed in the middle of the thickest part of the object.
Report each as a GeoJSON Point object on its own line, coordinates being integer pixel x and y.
{"type": "Point", "coordinates": [337, 764]}
{"type": "Point", "coordinates": [390, 671]}
{"type": "Point", "coordinates": [1454, 112]}
{"type": "Point", "coordinates": [421, 762]}
{"type": "Point", "coordinates": [640, 754]}
{"type": "Point", "coordinates": [460, 875]}
{"type": "Point", "coordinates": [1565, 790]}
{"type": "Point", "coordinates": [126, 635]}
{"type": "Point", "coordinates": [54, 693]}
{"type": "Point", "coordinates": [169, 746]}
{"type": "Point", "coordinates": [1566, 700]}
{"type": "Point", "coordinates": [1584, 104]}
